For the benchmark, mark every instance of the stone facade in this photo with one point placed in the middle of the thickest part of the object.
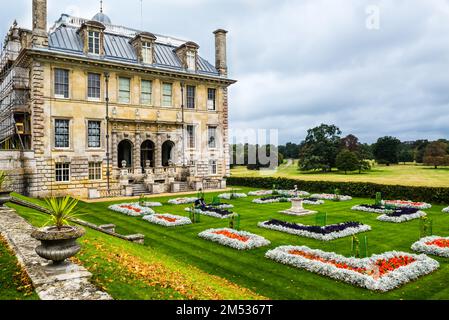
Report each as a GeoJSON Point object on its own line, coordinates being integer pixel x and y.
{"type": "Point", "coordinates": [151, 136]}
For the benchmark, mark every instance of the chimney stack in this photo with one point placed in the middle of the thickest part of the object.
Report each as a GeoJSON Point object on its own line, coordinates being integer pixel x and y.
{"type": "Point", "coordinates": [40, 36]}
{"type": "Point", "coordinates": [220, 52]}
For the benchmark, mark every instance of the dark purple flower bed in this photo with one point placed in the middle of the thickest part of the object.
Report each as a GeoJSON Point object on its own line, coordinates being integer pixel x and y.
{"type": "Point", "coordinates": [311, 199]}
{"type": "Point", "coordinates": [402, 212]}
{"type": "Point", "coordinates": [216, 210]}
{"type": "Point", "coordinates": [315, 229]}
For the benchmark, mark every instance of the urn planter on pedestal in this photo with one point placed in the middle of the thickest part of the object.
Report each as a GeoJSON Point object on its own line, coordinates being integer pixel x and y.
{"type": "Point", "coordinates": [297, 209]}
{"type": "Point", "coordinates": [58, 245]}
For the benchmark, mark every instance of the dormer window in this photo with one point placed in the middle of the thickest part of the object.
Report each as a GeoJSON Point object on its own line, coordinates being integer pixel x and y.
{"type": "Point", "coordinates": [144, 43]}
{"type": "Point", "coordinates": [94, 42]}
{"type": "Point", "coordinates": [147, 52]}
{"type": "Point", "coordinates": [191, 60]}
{"type": "Point", "coordinates": [92, 35]}
{"type": "Point", "coordinates": [187, 54]}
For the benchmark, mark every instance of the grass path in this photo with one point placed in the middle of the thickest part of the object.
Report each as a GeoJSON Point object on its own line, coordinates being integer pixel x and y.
{"type": "Point", "coordinates": [409, 175]}
{"type": "Point", "coordinates": [181, 250]}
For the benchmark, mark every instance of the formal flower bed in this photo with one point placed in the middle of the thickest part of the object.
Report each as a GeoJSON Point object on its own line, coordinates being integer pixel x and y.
{"type": "Point", "coordinates": [407, 204]}
{"type": "Point", "coordinates": [179, 201]}
{"type": "Point", "coordinates": [223, 206]}
{"type": "Point", "coordinates": [131, 209]}
{"type": "Point", "coordinates": [434, 245]}
{"type": "Point", "coordinates": [152, 204]}
{"type": "Point", "coordinates": [372, 209]}
{"type": "Point", "coordinates": [325, 196]}
{"type": "Point", "coordinates": [229, 196]}
{"type": "Point", "coordinates": [292, 193]}
{"type": "Point", "coordinates": [167, 220]}
{"type": "Point", "coordinates": [272, 199]}
{"type": "Point", "coordinates": [211, 212]}
{"type": "Point", "coordinates": [446, 210]}
{"type": "Point", "coordinates": [382, 272]}
{"type": "Point", "coordinates": [240, 240]}
{"type": "Point", "coordinates": [312, 201]}
{"type": "Point", "coordinates": [402, 215]}
{"type": "Point", "coordinates": [260, 193]}
{"type": "Point", "coordinates": [327, 233]}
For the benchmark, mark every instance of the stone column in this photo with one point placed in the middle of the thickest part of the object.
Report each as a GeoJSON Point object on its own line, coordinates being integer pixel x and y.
{"type": "Point", "coordinates": [220, 52]}
{"type": "Point", "coordinates": [39, 35]}
{"type": "Point", "coordinates": [138, 143]}
{"type": "Point", "coordinates": [114, 150]}
{"type": "Point", "coordinates": [158, 151]}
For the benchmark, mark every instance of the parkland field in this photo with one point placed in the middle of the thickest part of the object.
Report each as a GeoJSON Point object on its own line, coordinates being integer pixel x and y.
{"type": "Point", "coordinates": [407, 175]}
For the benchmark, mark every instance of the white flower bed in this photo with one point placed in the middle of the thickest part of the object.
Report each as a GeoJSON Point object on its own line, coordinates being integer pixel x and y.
{"type": "Point", "coordinates": [293, 193]}
{"type": "Point", "coordinates": [325, 196]}
{"type": "Point", "coordinates": [254, 241]}
{"type": "Point", "coordinates": [391, 280]}
{"type": "Point", "coordinates": [323, 237]}
{"type": "Point", "coordinates": [423, 247]}
{"type": "Point", "coordinates": [229, 196]}
{"type": "Point", "coordinates": [260, 193]}
{"type": "Point", "coordinates": [446, 210]}
{"type": "Point", "coordinates": [403, 218]}
{"type": "Point", "coordinates": [179, 201]}
{"type": "Point", "coordinates": [209, 213]}
{"type": "Point", "coordinates": [159, 219]}
{"type": "Point", "coordinates": [125, 208]}
{"type": "Point", "coordinates": [314, 203]}
{"type": "Point", "coordinates": [261, 201]}
{"type": "Point", "coordinates": [371, 210]}
{"type": "Point", "coordinates": [407, 204]}
{"type": "Point", "coordinates": [152, 204]}
{"type": "Point", "coordinates": [224, 206]}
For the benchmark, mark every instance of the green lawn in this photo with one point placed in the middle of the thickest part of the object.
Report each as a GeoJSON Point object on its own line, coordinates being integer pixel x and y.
{"type": "Point", "coordinates": [182, 248]}
{"type": "Point", "coordinates": [14, 283]}
{"type": "Point", "coordinates": [409, 175]}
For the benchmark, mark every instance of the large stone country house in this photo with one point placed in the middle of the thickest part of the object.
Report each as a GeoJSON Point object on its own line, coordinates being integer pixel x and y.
{"type": "Point", "coordinates": [86, 88]}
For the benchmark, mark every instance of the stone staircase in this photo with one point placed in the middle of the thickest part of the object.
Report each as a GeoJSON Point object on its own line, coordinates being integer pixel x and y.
{"type": "Point", "coordinates": [139, 189]}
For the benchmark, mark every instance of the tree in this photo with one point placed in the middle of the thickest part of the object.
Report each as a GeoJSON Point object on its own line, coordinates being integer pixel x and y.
{"type": "Point", "coordinates": [406, 153]}
{"type": "Point", "coordinates": [386, 150]}
{"type": "Point", "coordinates": [347, 161]}
{"type": "Point", "coordinates": [436, 154]}
{"type": "Point", "coordinates": [419, 147]}
{"type": "Point", "coordinates": [351, 143]}
{"type": "Point", "coordinates": [320, 148]}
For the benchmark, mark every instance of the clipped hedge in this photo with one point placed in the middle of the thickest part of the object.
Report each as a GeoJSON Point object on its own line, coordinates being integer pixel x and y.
{"type": "Point", "coordinates": [355, 189]}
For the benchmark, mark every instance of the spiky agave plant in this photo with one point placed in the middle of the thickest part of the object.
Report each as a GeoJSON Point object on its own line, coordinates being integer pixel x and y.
{"type": "Point", "coordinates": [61, 210]}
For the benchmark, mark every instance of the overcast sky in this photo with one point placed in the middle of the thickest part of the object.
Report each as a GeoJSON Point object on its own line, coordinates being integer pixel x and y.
{"type": "Point", "coordinates": [371, 67]}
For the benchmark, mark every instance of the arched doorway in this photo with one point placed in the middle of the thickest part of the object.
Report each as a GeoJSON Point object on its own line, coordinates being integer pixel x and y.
{"type": "Point", "coordinates": [125, 152]}
{"type": "Point", "coordinates": [167, 153]}
{"type": "Point", "coordinates": [147, 153]}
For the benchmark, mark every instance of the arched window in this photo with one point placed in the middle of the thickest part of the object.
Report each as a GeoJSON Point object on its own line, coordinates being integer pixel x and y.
{"type": "Point", "coordinates": [147, 154]}
{"type": "Point", "coordinates": [167, 153]}
{"type": "Point", "coordinates": [125, 152]}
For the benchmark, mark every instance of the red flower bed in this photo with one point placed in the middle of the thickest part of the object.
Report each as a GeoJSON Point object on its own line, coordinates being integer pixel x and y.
{"type": "Point", "coordinates": [442, 243]}
{"type": "Point", "coordinates": [384, 266]}
{"type": "Point", "coordinates": [131, 208]}
{"type": "Point", "coordinates": [232, 235]}
{"type": "Point", "coordinates": [171, 220]}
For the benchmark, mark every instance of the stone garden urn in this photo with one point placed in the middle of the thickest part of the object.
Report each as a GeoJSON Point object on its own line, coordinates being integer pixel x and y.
{"type": "Point", "coordinates": [58, 245]}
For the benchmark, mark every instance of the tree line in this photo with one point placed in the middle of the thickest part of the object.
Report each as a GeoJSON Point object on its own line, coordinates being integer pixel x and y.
{"type": "Point", "coordinates": [324, 149]}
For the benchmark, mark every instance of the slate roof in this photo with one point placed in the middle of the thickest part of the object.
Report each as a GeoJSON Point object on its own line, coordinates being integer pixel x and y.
{"type": "Point", "coordinates": [64, 37]}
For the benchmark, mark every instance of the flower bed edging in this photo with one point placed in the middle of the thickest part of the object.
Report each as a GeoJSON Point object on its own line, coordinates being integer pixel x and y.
{"type": "Point", "coordinates": [167, 220]}
{"type": "Point", "coordinates": [314, 235]}
{"type": "Point", "coordinates": [402, 218]}
{"type": "Point", "coordinates": [252, 240]}
{"type": "Point", "coordinates": [326, 196]}
{"type": "Point", "coordinates": [229, 196]}
{"type": "Point", "coordinates": [365, 208]}
{"type": "Point", "coordinates": [446, 210]}
{"type": "Point", "coordinates": [260, 193]}
{"type": "Point", "coordinates": [367, 274]}
{"type": "Point", "coordinates": [179, 201]}
{"type": "Point", "coordinates": [131, 209]}
{"type": "Point", "coordinates": [209, 213]}
{"type": "Point", "coordinates": [426, 245]}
